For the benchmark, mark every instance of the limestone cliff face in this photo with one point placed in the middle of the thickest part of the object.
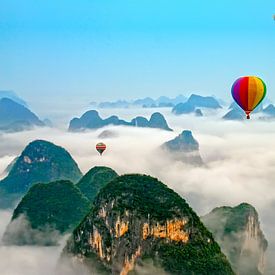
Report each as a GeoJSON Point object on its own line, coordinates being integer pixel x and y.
{"type": "Point", "coordinates": [237, 230]}
{"type": "Point", "coordinates": [136, 218]}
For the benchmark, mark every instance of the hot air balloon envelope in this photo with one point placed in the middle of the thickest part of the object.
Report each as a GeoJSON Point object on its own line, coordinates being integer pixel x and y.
{"type": "Point", "coordinates": [248, 92]}
{"type": "Point", "coordinates": [100, 147]}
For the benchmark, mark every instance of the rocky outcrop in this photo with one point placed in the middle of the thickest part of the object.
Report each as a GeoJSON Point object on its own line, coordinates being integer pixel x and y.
{"type": "Point", "coordinates": [137, 217]}
{"type": "Point", "coordinates": [237, 230]}
{"type": "Point", "coordinates": [92, 120]}
{"type": "Point", "coordinates": [184, 148]}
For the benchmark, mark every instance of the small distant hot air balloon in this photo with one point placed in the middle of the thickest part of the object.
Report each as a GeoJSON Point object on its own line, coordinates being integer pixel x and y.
{"type": "Point", "coordinates": [248, 92]}
{"type": "Point", "coordinates": [100, 147]}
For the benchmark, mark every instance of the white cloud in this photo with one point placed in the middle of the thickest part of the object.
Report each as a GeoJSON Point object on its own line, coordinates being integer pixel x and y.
{"type": "Point", "coordinates": [240, 157]}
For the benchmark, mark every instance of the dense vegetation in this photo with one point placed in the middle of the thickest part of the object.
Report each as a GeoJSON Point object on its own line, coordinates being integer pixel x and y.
{"type": "Point", "coordinates": [94, 180]}
{"type": "Point", "coordinates": [58, 204]}
{"type": "Point", "coordinates": [141, 197]}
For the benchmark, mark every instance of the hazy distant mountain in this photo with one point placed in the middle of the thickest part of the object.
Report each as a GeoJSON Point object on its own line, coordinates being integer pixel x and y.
{"type": "Point", "coordinates": [167, 100]}
{"type": "Point", "coordinates": [237, 230]}
{"type": "Point", "coordinates": [147, 102]}
{"type": "Point", "coordinates": [184, 148]}
{"type": "Point", "coordinates": [115, 104]}
{"type": "Point", "coordinates": [158, 121]}
{"type": "Point", "coordinates": [195, 101]}
{"type": "Point", "coordinates": [135, 220]}
{"type": "Point", "coordinates": [16, 117]}
{"type": "Point", "coordinates": [269, 110]}
{"type": "Point", "coordinates": [40, 161]}
{"type": "Point", "coordinates": [108, 134]}
{"type": "Point", "coordinates": [13, 96]}
{"type": "Point", "coordinates": [92, 120]}
{"type": "Point", "coordinates": [45, 212]}
{"type": "Point", "coordinates": [235, 114]}
{"type": "Point", "coordinates": [198, 113]}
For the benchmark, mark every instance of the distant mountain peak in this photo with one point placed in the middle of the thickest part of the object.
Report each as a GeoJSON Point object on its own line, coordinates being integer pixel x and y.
{"type": "Point", "coordinates": [195, 101]}
{"type": "Point", "coordinates": [16, 117]}
{"type": "Point", "coordinates": [92, 120]}
{"type": "Point", "coordinates": [40, 161]}
{"type": "Point", "coordinates": [184, 142]}
{"type": "Point", "coordinates": [13, 96]}
{"type": "Point", "coordinates": [185, 148]}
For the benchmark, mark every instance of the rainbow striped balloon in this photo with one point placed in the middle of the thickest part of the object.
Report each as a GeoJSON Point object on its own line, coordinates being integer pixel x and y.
{"type": "Point", "coordinates": [248, 92]}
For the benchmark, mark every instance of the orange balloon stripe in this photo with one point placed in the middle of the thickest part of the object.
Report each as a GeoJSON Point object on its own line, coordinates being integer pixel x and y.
{"type": "Point", "coordinates": [256, 91]}
{"type": "Point", "coordinates": [252, 93]}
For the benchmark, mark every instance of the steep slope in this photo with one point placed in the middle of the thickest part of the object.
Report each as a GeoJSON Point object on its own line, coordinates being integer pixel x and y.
{"type": "Point", "coordinates": [94, 180]}
{"type": "Point", "coordinates": [237, 230]}
{"type": "Point", "coordinates": [46, 210]}
{"type": "Point", "coordinates": [136, 218]}
{"type": "Point", "coordinates": [13, 96]}
{"type": "Point", "coordinates": [269, 110]}
{"type": "Point", "coordinates": [158, 121]}
{"type": "Point", "coordinates": [184, 148]}
{"type": "Point", "coordinates": [16, 117]}
{"type": "Point", "coordinates": [41, 161]}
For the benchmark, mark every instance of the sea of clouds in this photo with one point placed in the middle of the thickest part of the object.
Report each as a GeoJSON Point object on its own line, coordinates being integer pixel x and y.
{"type": "Point", "coordinates": [239, 157]}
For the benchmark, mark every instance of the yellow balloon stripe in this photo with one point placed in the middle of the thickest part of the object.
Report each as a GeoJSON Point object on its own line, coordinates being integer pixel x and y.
{"type": "Point", "coordinates": [255, 92]}
{"type": "Point", "coordinates": [252, 93]}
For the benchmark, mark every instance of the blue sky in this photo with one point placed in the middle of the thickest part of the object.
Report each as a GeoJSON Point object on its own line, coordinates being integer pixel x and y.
{"type": "Point", "coordinates": [103, 50]}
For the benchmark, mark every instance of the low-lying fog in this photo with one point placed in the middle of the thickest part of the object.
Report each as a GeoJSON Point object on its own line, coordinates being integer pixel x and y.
{"type": "Point", "coordinates": [240, 160]}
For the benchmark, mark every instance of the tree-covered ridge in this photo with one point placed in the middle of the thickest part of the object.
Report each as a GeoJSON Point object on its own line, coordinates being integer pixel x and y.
{"type": "Point", "coordinates": [230, 219]}
{"type": "Point", "coordinates": [56, 206]}
{"type": "Point", "coordinates": [40, 161]}
{"type": "Point", "coordinates": [59, 204]}
{"type": "Point", "coordinates": [113, 230]}
{"type": "Point", "coordinates": [94, 180]}
{"type": "Point", "coordinates": [238, 232]}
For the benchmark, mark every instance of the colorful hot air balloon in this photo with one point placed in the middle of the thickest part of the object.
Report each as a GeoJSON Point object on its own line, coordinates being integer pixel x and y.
{"type": "Point", "coordinates": [248, 92]}
{"type": "Point", "coordinates": [100, 147]}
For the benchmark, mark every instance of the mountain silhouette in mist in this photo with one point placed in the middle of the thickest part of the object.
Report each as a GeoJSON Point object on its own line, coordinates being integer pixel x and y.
{"type": "Point", "coordinates": [92, 120]}
{"type": "Point", "coordinates": [194, 102]}
{"type": "Point", "coordinates": [238, 232]}
{"type": "Point", "coordinates": [15, 117]}
{"type": "Point", "coordinates": [184, 148]}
